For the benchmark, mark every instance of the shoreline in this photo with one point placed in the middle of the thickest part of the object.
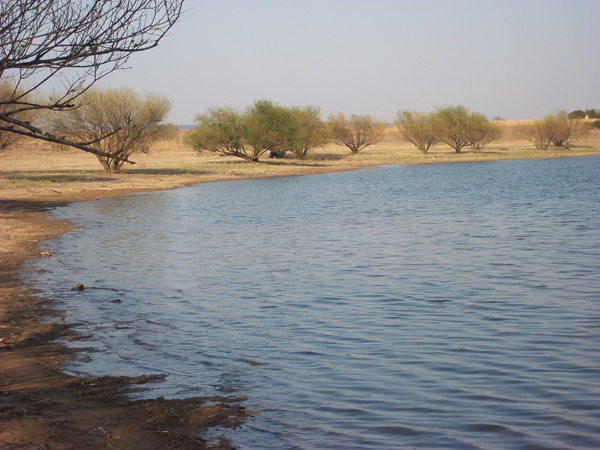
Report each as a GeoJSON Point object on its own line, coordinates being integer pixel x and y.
{"type": "Point", "coordinates": [43, 406]}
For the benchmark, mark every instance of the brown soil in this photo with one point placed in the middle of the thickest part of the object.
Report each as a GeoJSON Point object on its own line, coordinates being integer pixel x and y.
{"type": "Point", "coordinates": [43, 408]}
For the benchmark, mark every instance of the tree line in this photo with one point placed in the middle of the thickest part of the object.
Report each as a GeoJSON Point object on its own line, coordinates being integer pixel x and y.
{"type": "Point", "coordinates": [587, 114]}
{"type": "Point", "coordinates": [120, 122]}
{"type": "Point", "coordinates": [455, 126]}
{"type": "Point", "coordinates": [75, 44]}
{"type": "Point", "coordinates": [267, 127]}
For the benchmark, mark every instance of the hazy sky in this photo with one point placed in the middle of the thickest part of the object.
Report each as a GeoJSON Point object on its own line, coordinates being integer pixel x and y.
{"type": "Point", "coordinates": [518, 59]}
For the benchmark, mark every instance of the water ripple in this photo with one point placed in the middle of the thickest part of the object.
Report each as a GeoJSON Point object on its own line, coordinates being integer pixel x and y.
{"type": "Point", "coordinates": [451, 306]}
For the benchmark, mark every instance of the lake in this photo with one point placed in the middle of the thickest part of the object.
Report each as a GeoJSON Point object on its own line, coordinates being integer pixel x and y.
{"type": "Point", "coordinates": [450, 306]}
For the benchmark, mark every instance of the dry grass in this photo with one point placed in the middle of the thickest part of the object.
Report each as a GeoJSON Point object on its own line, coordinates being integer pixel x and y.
{"type": "Point", "coordinates": [33, 167]}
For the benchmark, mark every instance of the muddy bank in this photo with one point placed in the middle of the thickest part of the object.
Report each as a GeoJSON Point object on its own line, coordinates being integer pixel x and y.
{"type": "Point", "coordinates": [41, 407]}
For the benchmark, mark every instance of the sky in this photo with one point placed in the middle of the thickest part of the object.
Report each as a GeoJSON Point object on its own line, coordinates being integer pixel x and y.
{"type": "Point", "coordinates": [515, 59]}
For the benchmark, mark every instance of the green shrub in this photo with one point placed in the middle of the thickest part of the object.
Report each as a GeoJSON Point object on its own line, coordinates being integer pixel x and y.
{"type": "Point", "coordinates": [578, 114]}
{"type": "Point", "coordinates": [592, 113]}
{"type": "Point", "coordinates": [263, 127]}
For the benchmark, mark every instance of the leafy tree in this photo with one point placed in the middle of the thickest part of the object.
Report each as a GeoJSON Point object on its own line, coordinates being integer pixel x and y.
{"type": "Point", "coordinates": [419, 129]}
{"type": "Point", "coordinates": [282, 129]}
{"type": "Point", "coordinates": [268, 128]}
{"type": "Point", "coordinates": [115, 122]}
{"type": "Point", "coordinates": [459, 128]}
{"type": "Point", "coordinates": [578, 114]}
{"type": "Point", "coordinates": [308, 131]}
{"type": "Point", "coordinates": [455, 126]}
{"type": "Point", "coordinates": [248, 135]}
{"type": "Point", "coordinates": [221, 131]}
{"type": "Point", "coordinates": [263, 127]}
{"type": "Point", "coordinates": [169, 132]}
{"type": "Point", "coordinates": [356, 132]}
{"type": "Point", "coordinates": [482, 131]}
{"type": "Point", "coordinates": [71, 44]}
{"type": "Point", "coordinates": [592, 113]}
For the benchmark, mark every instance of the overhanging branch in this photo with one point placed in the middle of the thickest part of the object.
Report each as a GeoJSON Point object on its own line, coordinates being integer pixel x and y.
{"type": "Point", "coordinates": [75, 43]}
{"type": "Point", "coordinates": [26, 129]}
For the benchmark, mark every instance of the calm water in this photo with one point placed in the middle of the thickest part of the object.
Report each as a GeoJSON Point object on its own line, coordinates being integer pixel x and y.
{"type": "Point", "coordinates": [434, 306]}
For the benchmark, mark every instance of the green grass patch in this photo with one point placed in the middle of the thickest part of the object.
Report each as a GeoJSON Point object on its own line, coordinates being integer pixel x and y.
{"type": "Point", "coordinates": [31, 178]}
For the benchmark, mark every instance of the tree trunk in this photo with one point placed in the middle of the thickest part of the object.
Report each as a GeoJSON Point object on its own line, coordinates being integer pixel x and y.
{"type": "Point", "coordinates": [110, 165]}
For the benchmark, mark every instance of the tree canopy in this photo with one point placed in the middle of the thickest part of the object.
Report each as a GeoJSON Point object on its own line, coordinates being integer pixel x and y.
{"type": "Point", "coordinates": [308, 130]}
{"type": "Point", "coordinates": [356, 132]}
{"type": "Point", "coordinates": [418, 128]}
{"type": "Point", "coordinates": [454, 125]}
{"type": "Point", "coordinates": [263, 127]}
{"type": "Point", "coordinates": [116, 122]}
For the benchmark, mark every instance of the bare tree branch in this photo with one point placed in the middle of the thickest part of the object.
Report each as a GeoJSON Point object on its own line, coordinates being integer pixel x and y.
{"type": "Point", "coordinates": [26, 129]}
{"type": "Point", "coordinates": [73, 44]}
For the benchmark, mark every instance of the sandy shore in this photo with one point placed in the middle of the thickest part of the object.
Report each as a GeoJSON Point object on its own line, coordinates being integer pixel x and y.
{"type": "Point", "coordinates": [42, 408]}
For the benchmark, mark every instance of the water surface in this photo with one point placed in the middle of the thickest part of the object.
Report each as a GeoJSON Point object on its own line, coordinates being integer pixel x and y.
{"type": "Point", "coordinates": [433, 306]}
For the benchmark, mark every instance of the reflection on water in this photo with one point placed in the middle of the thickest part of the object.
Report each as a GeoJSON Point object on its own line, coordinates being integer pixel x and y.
{"type": "Point", "coordinates": [437, 306]}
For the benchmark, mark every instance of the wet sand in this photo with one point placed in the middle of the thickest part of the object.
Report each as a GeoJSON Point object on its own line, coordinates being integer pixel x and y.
{"type": "Point", "coordinates": [40, 406]}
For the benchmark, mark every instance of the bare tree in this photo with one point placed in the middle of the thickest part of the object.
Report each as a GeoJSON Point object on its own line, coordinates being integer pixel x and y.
{"type": "Point", "coordinates": [564, 130]}
{"type": "Point", "coordinates": [536, 132]}
{"type": "Point", "coordinates": [71, 44]}
{"type": "Point", "coordinates": [557, 129]}
{"type": "Point", "coordinates": [356, 132]}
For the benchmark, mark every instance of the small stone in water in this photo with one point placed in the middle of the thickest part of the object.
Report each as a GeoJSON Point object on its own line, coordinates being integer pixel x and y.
{"type": "Point", "coordinates": [78, 287]}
